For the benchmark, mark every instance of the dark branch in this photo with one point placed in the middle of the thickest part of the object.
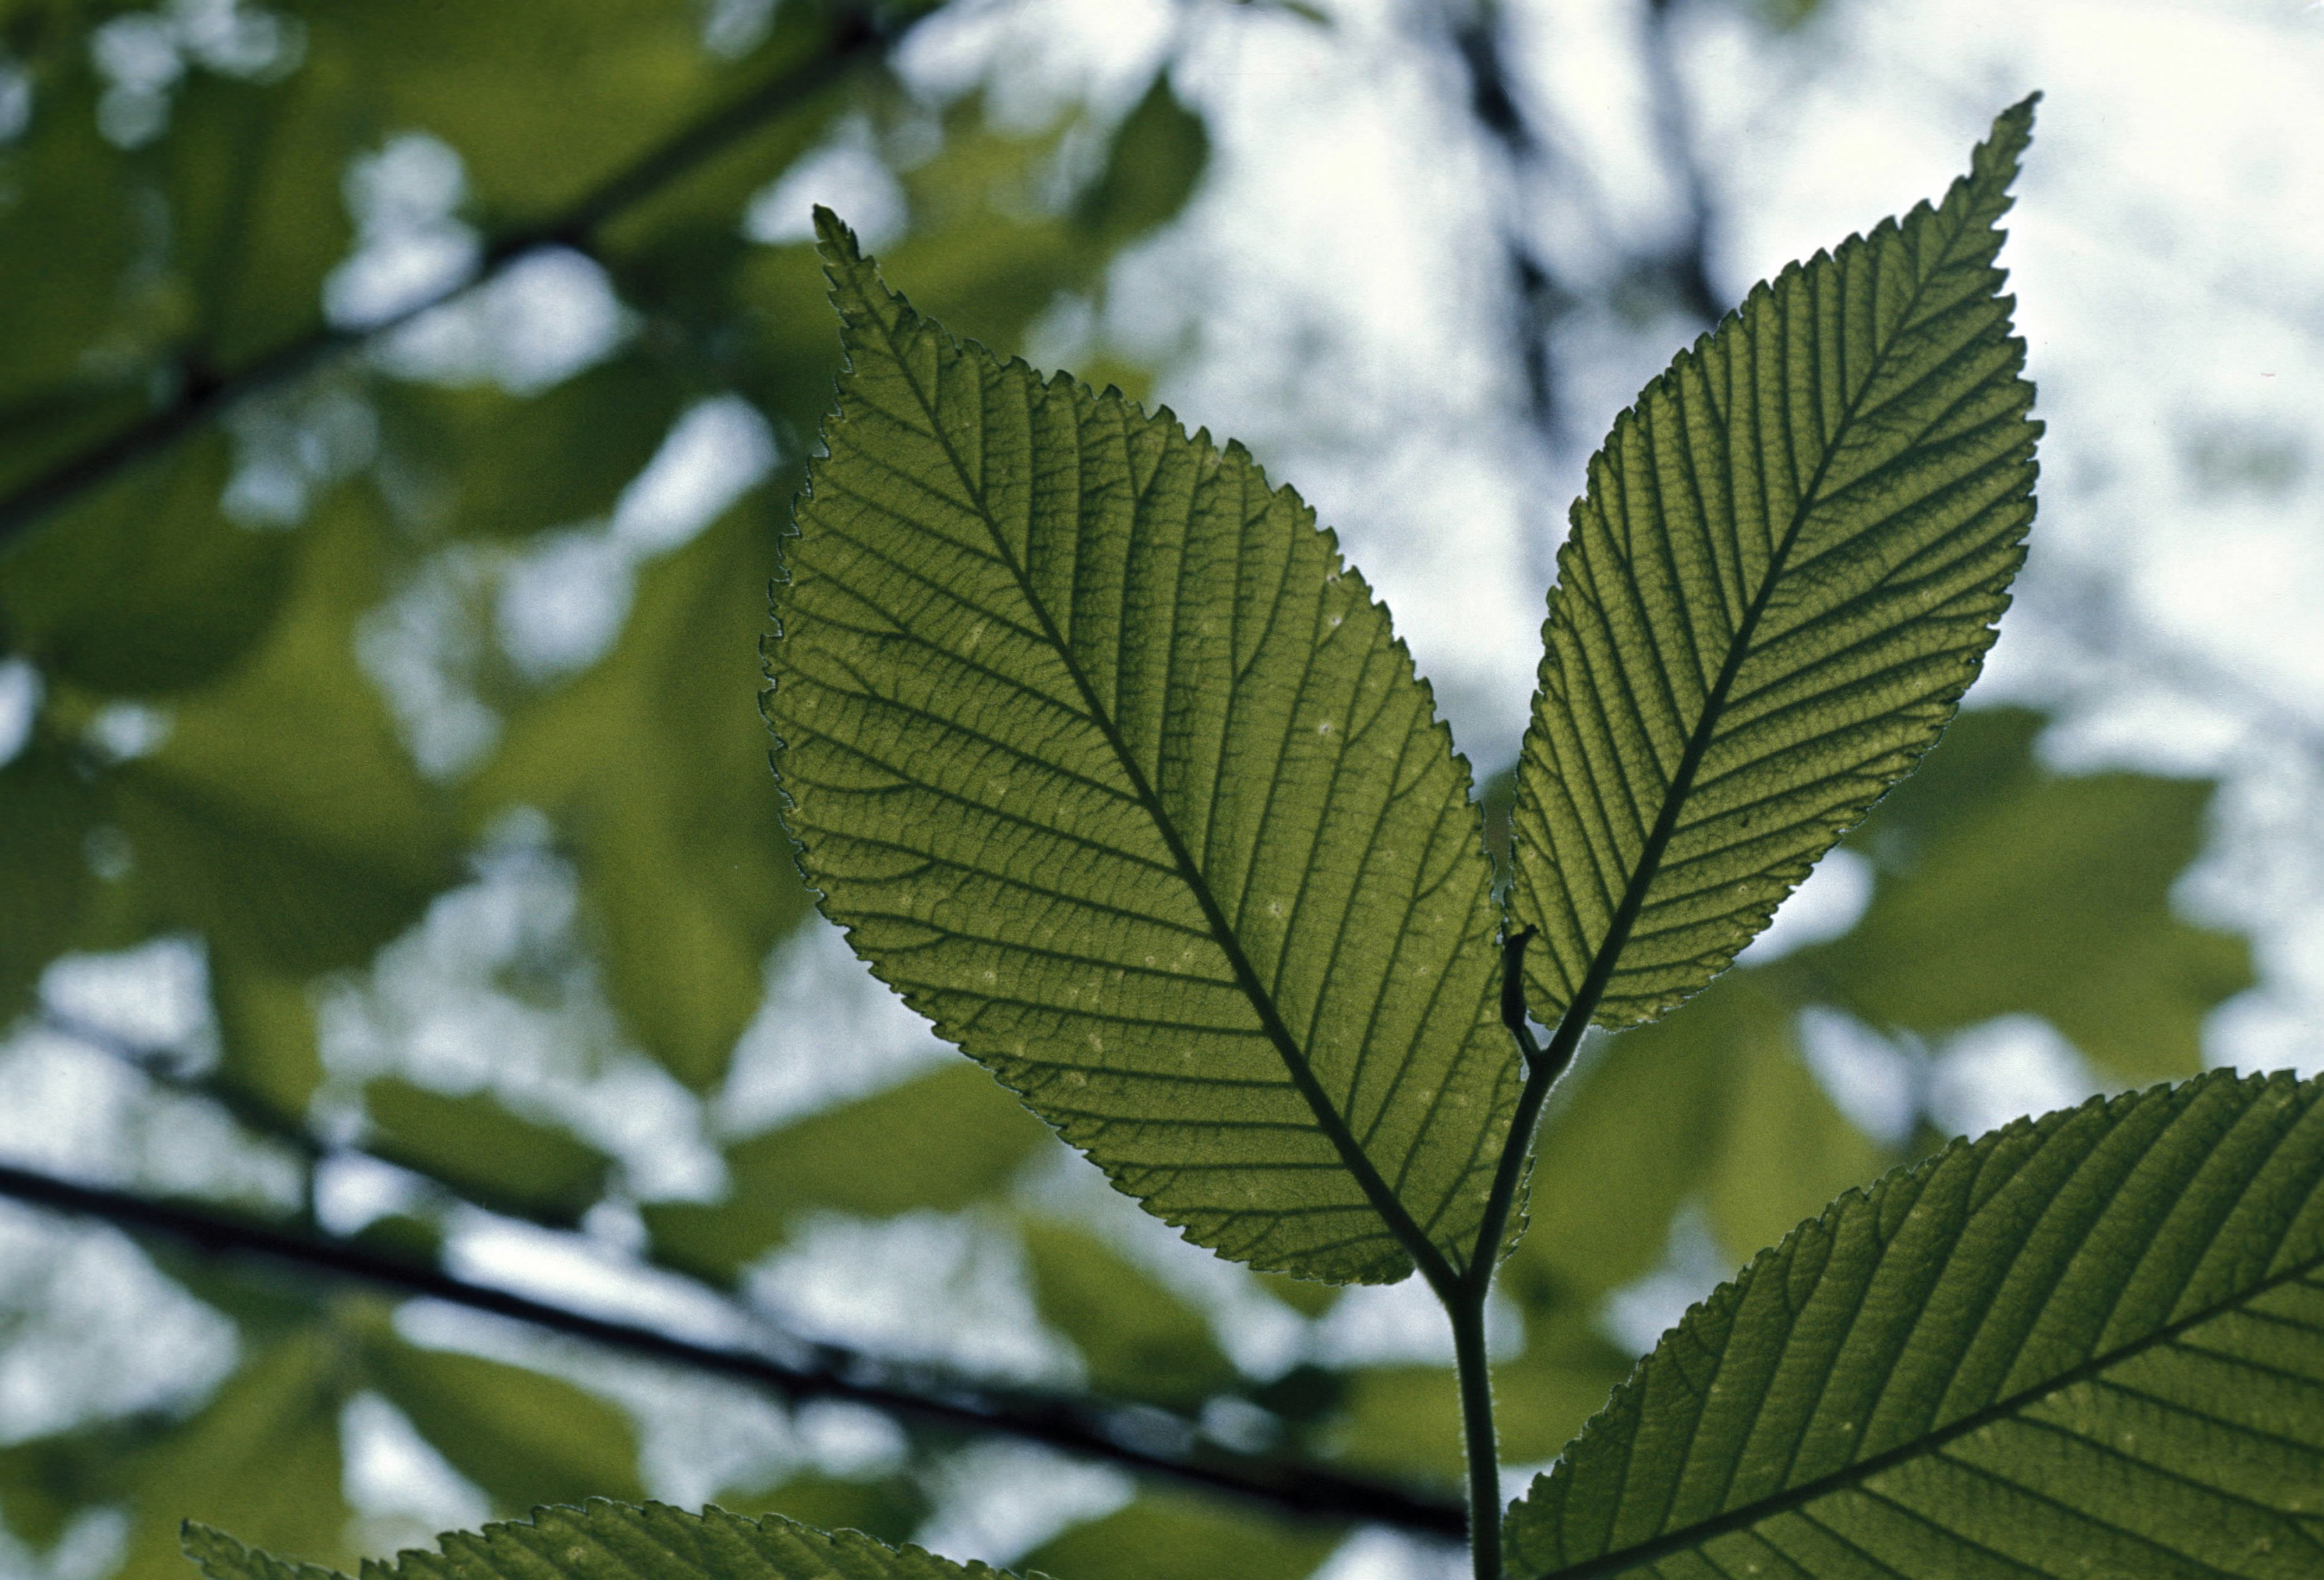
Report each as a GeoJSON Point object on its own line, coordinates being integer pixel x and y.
{"type": "Point", "coordinates": [1136, 1437]}
{"type": "Point", "coordinates": [205, 394]}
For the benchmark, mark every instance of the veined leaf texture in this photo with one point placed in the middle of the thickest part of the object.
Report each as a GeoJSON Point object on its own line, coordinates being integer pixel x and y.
{"type": "Point", "coordinates": [2091, 1344]}
{"type": "Point", "coordinates": [616, 1541]}
{"type": "Point", "coordinates": [1113, 767]}
{"type": "Point", "coordinates": [1782, 575]}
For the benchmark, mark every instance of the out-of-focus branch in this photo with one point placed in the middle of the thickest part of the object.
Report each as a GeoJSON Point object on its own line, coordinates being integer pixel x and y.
{"type": "Point", "coordinates": [205, 394]}
{"type": "Point", "coordinates": [1539, 300]}
{"type": "Point", "coordinates": [1686, 264]}
{"type": "Point", "coordinates": [1142, 1440]}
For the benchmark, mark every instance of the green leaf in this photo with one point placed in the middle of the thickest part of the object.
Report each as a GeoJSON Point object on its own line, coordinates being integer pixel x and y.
{"type": "Point", "coordinates": [2007, 889]}
{"type": "Point", "coordinates": [2090, 1343]}
{"type": "Point", "coordinates": [492, 1157]}
{"type": "Point", "coordinates": [301, 860]}
{"type": "Point", "coordinates": [1139, 1339]}
{"type": "Point", "coordinates": [656, 775]}
{"type": "Point", "coordinates": [1170, 1536]}
{"type": "Point", "coordinates": [1115, 769]}
{"type": "Point", "coordinates": [887, 1508]}
{"type": "Point", "coordinates": [941, 1142]}
{"type": "Point", "coordinates": [1783, 576]}
{"type": "Point", "coordinates": [142, 586]}
{"type": "Point", "coordinates": [526, 1438]}
{"type": "Point", "coordinates": [614, 1541]}
{"type": "Point", "coordinates": [263, 1456]}
{"type": "Point", "coordinates": [494, 464]}
{"type": "Point", "coordinates": [46, 817]}
{"type": "Point", "coordinates": [1158, 155]}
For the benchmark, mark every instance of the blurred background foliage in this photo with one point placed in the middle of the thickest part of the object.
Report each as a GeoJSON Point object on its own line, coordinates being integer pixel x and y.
{"type": "Point", "coordinates": [399, 407]}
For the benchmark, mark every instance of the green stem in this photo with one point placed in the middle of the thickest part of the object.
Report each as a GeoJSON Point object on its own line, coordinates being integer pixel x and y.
{"type": "Point", "coordinates": [1467, 1311]}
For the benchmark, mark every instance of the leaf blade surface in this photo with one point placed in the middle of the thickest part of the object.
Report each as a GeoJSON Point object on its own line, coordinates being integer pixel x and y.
{"type": "Point", "coordinates": [2088, 1344]}
{"type": "Point", "coordinates": [1113, 767]}
{"type": "Point", "coordinates": [615, 1541]}
{"type": "Point", "coordinates": [1781, 578]}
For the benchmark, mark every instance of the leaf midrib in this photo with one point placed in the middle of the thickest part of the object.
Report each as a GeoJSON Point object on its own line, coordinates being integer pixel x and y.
{"type": "Point", "coordinates": [1433, 1264]}
{"type": "Point", "coordinates": [1698, 747]}
{"type": "Point", "coordinates": [1750, 1514]}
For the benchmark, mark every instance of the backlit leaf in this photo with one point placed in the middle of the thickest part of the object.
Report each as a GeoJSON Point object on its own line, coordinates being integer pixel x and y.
{"type": "Point", "coordinates": [2087, 1344]}
{"type": "Point", "coordinates": [1783, 576]}
{"type": "Point", "coordinates": [1114, 768]}
{"type": "Point", "coordinates": [614, 1541]}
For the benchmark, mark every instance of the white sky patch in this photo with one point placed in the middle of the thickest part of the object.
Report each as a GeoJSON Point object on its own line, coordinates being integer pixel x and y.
{"type": "Point", "coordinates": [1373, 1552]}
{"type": "Point", "coordinates": [20, 690]}
{"type": "Point", "coordinates": [827, 1032]}
{"type": "Point", "coordinates": [437, 1008]}
{"type": "Point", "coordinates": [410, 247]}
{"type": "Point", "coordinates": [95, 1329]}
{"type": "Point", "coordinates": [1000, 1500]}
{"type": "Point", "coordinates": [923, 1286]}
{"type": "Point", "coordinates": [847, 175]}
{"type": "Point", "coordinates": [547, 315]}
{"type": "Point", "coordinates": [422, 648]}
{"type": "Point", "coordinates": [1830, 900]}
{"type": "Point", "coordinates": [403, 1491]}
{"type": "Point", "coordinates": [717, 452]}
{"type": "Point", "coordinates": [1869, 1079]}
{"type": "Point", "coordinates": [1693, 1265]}
{"type": "Point", "coordinates": [155, 995]}
{"type": "Point", "coordinates": [1263, 1336]}
{"type": "Point", "coordinates": [562, 603]}
{"type": "Point", "coordinates": [2006, 1068]}
{"type": "Point", "coordinates": [122, 731]}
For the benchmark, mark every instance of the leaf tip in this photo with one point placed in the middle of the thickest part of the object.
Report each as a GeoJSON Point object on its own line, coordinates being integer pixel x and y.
{"type": "Point", "coordinates": [1998, 157]}
{"type": "Point", "coordinates": [835, 239]}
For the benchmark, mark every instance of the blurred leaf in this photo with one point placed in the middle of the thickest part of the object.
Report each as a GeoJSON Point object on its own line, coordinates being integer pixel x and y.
{"type": "Point", "coordinates": [1631, 1136]}
{"type": "Point", "coordinates": [942, 1140]}
{"type": "Point", "coordinates": [543, 102]}
{"type": "Point", "coordinates": [527, 1439]}
{"type": "Point", "coordinates": [887, 1509]}
{"type": "Point", "coordinates": [280, 817]}
{"type": "Point", "coordinates": [46, 815]}
{"type": "Point", "coordinates": [416, 1242]}
{"type": "Point", "coordinates": [262, 1456]}
{"type": "Point", "coordinates": [655, 1542]}
{"type": "Point", "coordinates": [1783, 574]}
{"type": "Point", "coordinates": [46, 1482]}
{"type": "Point", "coordinates": [653, 765]}
{"type": "Point", "coordinates": [491, 463]}
{"type": "Point", "coordinates": [1543, 1396]}
{"type": "Point", "coordinates": [488, 1154]}
{"type": "Point", "coordinates": [1156, 160]}
{"type": "Point", "coordinates": [141, 585]}
{"type": "Point", "coordinates": [2005, 888]}
{"type": "Point", "coordinates": [255, 195]}
{"type": "Point", "coordinates": [1400, 1423]}
{"type": "Point", "coordinates": [1139, 1340]}
{"type": "Point", "coordinates": [1309, 1296]}
{"type": "Point", "coordinates": [1784, 1149]}
{"type": "Point", "coordinates": [1168, 1535]}
{"type": "Point", "coordinates": [74, 292]}
{"type": "Point", "coordinates": [267, 1050]}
